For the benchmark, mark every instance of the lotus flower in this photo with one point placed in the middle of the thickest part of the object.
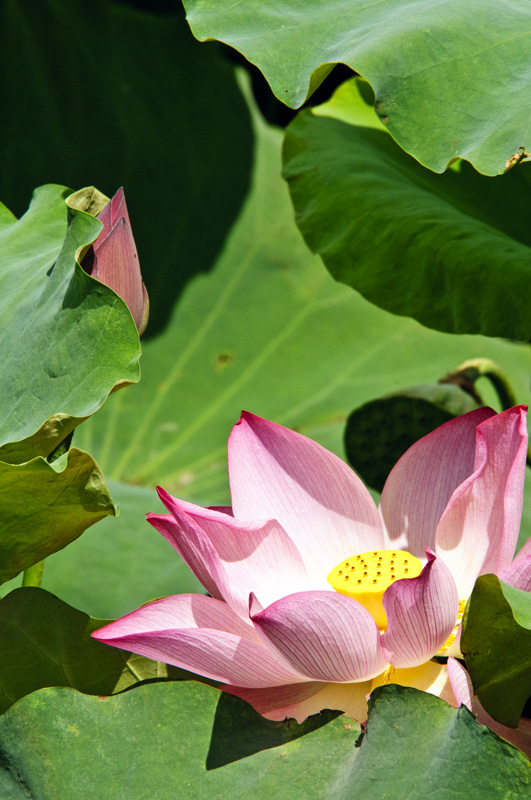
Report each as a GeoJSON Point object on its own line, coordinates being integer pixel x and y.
{"type": "Point", "coordinates": [113, 260]}
{"type": "Point", "coordinates": [316, 595]}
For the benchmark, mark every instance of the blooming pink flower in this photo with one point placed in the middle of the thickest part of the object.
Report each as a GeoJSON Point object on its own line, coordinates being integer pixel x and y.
{"type": "Point", "coordinates": [274, 631]}
{"type": "Point", "coordinates": [113, 260]}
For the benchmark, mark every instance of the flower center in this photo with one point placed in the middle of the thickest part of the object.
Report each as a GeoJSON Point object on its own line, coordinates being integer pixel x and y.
{"type": "Point", "coordinates": [366, 576]}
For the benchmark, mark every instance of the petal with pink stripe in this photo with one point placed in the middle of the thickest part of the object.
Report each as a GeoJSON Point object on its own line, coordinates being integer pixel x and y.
{"type": "Point", "coordinates": [518, 574]}
{"type": "Point", "coordinates": [242, 557]}
{"type": "Point", "coordinates": [319, 501]}
{"type": "Point", "coordinates": [324, 635]}
{"type": "Point", "coordinates": [421, 483]}
{"type": "Point", "coordinates": [195, 549]}
{"type": "Point", "coordinates": [421, 614]}
{"type": "Point", "coordinates": [202, 635]}
{"type": "Point", "coordinates": [478, 531]}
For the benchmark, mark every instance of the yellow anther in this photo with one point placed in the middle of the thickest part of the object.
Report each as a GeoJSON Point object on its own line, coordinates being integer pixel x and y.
{"type": "Point", "coordinates": [381, 569]}
{"type": "Point", "coordinates": [451, 639]}
{"type": "Point", "coordinates": [388, 674]}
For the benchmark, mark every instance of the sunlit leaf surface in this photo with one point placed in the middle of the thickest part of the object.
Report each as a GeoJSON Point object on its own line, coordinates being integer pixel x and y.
{"type": "Point", "coordinates": [156, 739]}
{"type": "Point", "coordinates": [66, 339]}
{"type": "Point", "coordinates": [451, 79]}
{"type": "Point", "coordinates": [453, 251]}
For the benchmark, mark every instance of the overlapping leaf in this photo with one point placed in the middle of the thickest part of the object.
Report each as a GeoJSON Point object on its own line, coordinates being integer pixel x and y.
{"type": "Point", "coordinates": [159, 739]}
{"type": "Point", "coordinates": [453, 251]}
{"type": "Point", "coordinates": [105, 95]}
{"type": "Point", "coordinates": [66, 339]}
{"type": "Point", "coordinates": [45, 642]}
{"type": "Point", "coordinates": [496, 643]}
{"type": "Point", "coordinates": [44, 507]}
{"type": "Point", "coordinates": [451, 80]}
{"type": "Point", "coordinates": [271, 332]}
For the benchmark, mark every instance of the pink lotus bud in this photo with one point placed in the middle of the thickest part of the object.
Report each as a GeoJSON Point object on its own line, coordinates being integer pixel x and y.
{"type": "Point", "coordinates": [113, 260]}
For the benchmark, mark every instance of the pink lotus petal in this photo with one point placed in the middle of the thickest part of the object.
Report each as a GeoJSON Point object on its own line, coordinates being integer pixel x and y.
{"type": "Point", "coordinates": [202, 635]}
{"type": "Point", "coordinates": [421, 614]}
{"type": "Point", "coordinates": [242, 557]}
{"type": "Point", "coordinates": [421, 483]}
{"type": "Point", "coordinates": [461, 683]}
{"type": "Point", "coordinates": [301, 700]}
{"type": "Point", "coordinates": [324, 635]}
{"type": "Point", "coordinates": [464, 694]}
{"type": "Point", "coordinates": [195, 549]}
{"type": "Point", "coordinates": [106, 218]}
{"type": "Point", "coordinates": [116, 264]}
{"type": "Point", "coordinates": [255, 607]}
{"type": "Point", "coordinates": [115, 209]}
{"type": "Point", "coordinates": [478, 531]}
{"type": "Point", "coordinates": [321, 503]}
{"type": "Point", "coordinates": [525, 550]}
{"type": "Point", "coordinates": [518, 574]}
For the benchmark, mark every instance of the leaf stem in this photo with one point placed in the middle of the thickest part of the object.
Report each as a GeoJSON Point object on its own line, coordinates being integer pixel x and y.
{"type": "Point", "coordinates": [32, 576]}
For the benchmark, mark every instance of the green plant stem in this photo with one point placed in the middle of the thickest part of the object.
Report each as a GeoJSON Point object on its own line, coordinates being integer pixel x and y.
{"type": "Point", "coordinates": [485, 368]}
{"type": "Point", "coordinates": [32, 576]}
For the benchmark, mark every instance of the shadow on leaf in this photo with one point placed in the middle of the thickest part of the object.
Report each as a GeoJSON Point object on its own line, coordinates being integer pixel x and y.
{"type": "Point", "coordinates": [239, 731]}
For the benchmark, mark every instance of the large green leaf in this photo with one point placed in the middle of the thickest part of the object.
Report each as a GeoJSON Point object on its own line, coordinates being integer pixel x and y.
{"type": "Point", "coordinates": [186, 740]}
{"type": "Point", "coordinates": [45, 642]}
{"type": "Point", "coordinates": [453, 251]}
{"type": "Point", "coordinates": [496, 644]}
{"type": "Point", "coordinates": [105, 95]}
{"type": "Point", "coordinates": [44, 507]}
{"type": "Point", "coordinates": [66, 339]}
{"type": "Point", "coordinates": [451, 80]}
{"type": "Point", "coordinates": [270, 331]}
{"type": "Point", "coordinates": [417, 747]}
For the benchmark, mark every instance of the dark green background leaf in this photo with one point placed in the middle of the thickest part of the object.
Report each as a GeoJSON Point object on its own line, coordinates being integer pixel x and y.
{"type": "Point", "coordinates": [108, 96]}
{"type": "Point", "coordinates": [453, 251]}
{"type": "Point", "coordinates": [44, 642]}
{"type": "Point", "coordinates": [173, 740]}
{"type": "Point", "coordinates": [451, 80]}
{"type": "Point", "coordinates": [496, 644]}
{"type": "Point", "coordinates": [66, 339]}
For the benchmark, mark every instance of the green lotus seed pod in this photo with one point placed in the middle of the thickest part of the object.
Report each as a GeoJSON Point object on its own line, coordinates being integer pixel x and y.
{"type": "Point", "coordinates": [380, 431]}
